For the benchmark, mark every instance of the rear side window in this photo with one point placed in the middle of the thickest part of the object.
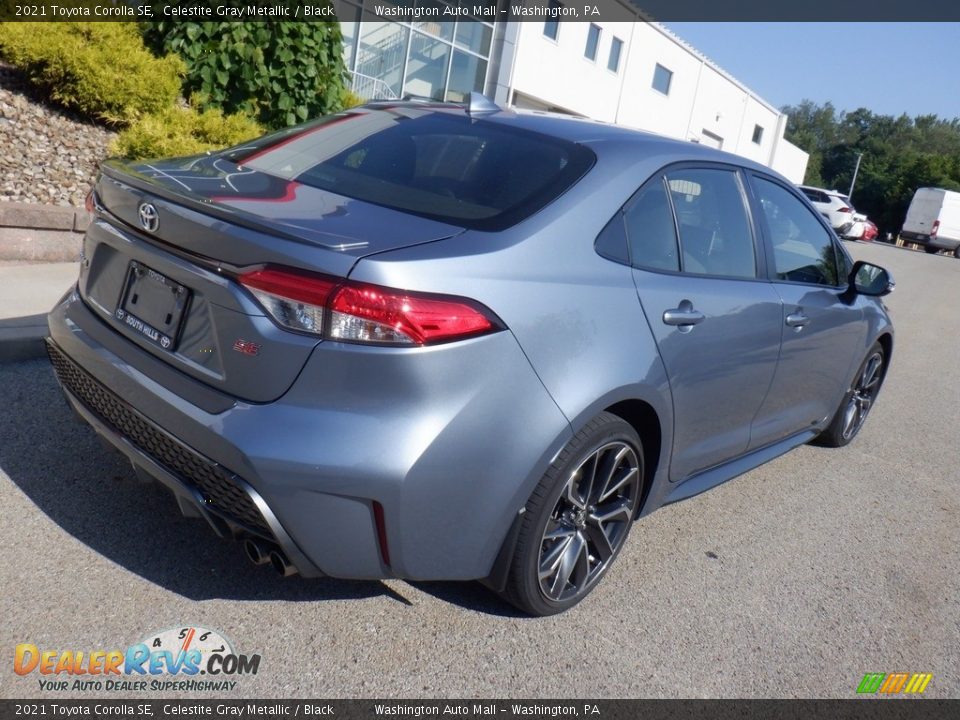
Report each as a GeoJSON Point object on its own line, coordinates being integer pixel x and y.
{"type": "Point", "coordinates": [650, 229]}
{"type": "Point", "coordinates": [715, 235]}
{"type": "Point", "coordinates": [802, 248]}
{"type": "Point", "coordinates": [450, 167]}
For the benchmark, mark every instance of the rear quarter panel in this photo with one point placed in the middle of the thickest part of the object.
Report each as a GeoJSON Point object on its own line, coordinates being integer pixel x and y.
{"type": "Point", "coordinates": [575, 315]}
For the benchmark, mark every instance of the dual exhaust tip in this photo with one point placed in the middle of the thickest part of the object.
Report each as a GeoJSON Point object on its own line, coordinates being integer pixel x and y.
{"type": "Point", "coordinates": [261, 553]}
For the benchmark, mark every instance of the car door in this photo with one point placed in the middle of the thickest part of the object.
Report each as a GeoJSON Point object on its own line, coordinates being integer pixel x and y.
{"type": "Point", "coordinates": [716, 321]}
{"type": "Point", "coordinates": [821, 320]}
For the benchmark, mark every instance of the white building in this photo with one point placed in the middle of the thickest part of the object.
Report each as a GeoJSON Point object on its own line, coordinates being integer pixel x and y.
{"type": "Point", "coordinates": [636, 74]}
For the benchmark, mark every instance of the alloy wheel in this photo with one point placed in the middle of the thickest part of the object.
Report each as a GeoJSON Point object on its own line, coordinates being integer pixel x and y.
{"type": "Point", "coordinates": [864, 393]}
{"type": "Point", "coordinates": [589, 522]}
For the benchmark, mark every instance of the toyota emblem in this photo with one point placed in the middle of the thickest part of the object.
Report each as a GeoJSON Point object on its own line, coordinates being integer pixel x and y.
{"type": "Point", "coordinates": [149, 219]}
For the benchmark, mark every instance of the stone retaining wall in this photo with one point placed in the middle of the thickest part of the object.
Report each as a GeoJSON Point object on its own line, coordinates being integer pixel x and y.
{"type": "Point", "coordinates": [41, 233]}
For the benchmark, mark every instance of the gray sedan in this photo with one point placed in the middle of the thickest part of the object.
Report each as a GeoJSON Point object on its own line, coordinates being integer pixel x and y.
{"type": "Point", "coordinates": [444, 342]}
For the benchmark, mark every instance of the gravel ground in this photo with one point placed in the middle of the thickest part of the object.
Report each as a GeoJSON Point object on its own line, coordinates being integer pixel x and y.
{"type": "Point", "coordinates": [49, 156]}
{"type": "Point", "coordinates": [791, 581]}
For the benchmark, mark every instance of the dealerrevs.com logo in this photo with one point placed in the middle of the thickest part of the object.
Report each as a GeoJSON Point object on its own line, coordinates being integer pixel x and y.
{"type": "Point", "coordinates": [185, 659]}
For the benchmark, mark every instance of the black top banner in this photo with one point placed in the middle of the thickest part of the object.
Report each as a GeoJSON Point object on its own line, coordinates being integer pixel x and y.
{"type": "Point", "coordinates": [864, 11]}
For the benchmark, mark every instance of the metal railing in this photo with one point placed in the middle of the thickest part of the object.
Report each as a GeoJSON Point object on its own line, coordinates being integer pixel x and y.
{"type": "Point", "coordinates": [371, 88]}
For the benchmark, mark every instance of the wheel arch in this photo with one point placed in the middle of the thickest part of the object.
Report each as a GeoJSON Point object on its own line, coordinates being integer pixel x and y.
{"type": "Point", "coordinates": [651, 425]}
{"type": "Point", "coordinates": [886, 342]}
{"type": "Point", "coordinates": [640, 415]}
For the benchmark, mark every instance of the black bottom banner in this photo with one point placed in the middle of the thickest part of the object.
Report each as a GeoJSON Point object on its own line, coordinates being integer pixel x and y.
{"type": "Point", "coordinates": [883, 709]}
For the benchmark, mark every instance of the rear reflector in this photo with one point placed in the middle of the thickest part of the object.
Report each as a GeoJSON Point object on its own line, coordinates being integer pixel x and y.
{"type": "Point", "coordinates": [364, 313]}
{"type": "Point", "coordinates": [381, 532]}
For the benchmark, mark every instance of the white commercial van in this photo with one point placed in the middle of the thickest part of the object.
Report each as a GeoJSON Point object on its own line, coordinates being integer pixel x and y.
{"type": "Point", "coordinates": [933, 220]}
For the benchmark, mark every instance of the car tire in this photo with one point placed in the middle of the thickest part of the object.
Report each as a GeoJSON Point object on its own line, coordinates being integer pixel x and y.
{"type": "Point", "coordinates": [956, 252]}
{"type": "Point", "coordinates": [578, 518]}
{"type": "Point", "coordinates": [931, 250]}
{"type": "Point", "coordinates": [857, 401]}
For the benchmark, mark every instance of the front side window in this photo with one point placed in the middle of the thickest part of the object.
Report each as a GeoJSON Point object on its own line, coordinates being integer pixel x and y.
{"type": "Point", "coordinates": [651, 233]}
{"type": "Point", "coordinates": [662, 79]}
{"type": "Point", "coordinates": [593, 42]}
{"type": "Point", "coordinates": [802, 248]}
{"type": "Point", "coordinates": [715, 234]}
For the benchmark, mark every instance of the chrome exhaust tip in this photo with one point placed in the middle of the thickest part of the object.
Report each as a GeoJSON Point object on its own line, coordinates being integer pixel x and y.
{"type": "Point", "coordinates": [281, 564]}
{"type": "Point", "coordinates": [256, 552]}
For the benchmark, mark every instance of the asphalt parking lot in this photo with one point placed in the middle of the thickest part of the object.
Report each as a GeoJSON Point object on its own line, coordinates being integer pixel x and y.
{"type": "Point", "coordinates": [791, 581]}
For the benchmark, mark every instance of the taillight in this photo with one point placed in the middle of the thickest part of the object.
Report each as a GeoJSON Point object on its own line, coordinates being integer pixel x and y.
{"type": "Point", "coordinates": [91, 203]}
{"type": "Point", "coordinates": [294, 298]}
{"type": "Point", "coordinates": [368, 313]}
{"type": "Point", "coordinates": [933, 230]}
{"type": "Point", "coordinates": [845, 209]}
{"type": "Point", "coordinates": [363, 313]}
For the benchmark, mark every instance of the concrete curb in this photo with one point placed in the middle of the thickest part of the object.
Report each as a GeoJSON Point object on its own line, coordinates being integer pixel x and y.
{"type": "Point", "coordinates": [23, 343]}
{"type": "Point", "coordinates": [41, 233]}
{"type": "Point", "coordinates": [27, 294]}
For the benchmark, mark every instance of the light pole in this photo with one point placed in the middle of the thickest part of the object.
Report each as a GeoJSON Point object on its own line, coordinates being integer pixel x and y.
{"type": "Point", "coordinates": [855, 171]}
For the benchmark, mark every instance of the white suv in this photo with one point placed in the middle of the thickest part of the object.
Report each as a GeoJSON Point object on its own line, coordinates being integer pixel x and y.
{"type": "Point", "coordinates": [836, 208]}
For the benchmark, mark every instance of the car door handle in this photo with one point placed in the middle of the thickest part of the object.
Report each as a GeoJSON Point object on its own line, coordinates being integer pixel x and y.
{"type": "Point", "coordinates": [683, 316]}
{"type": "Point", "coordinates": [797, 320]}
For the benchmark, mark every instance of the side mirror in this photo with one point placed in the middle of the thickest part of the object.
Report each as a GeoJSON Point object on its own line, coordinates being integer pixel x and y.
{"type": "Point", "coordinates": [869, 279]}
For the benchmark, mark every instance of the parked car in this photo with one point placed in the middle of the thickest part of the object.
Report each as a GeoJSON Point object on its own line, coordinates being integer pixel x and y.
{"type": "Point", "coordinates": [933, 220]}
{"type": "Point", "coordinates": [440, 342]}
{"type": "Point", "coordinates": [834, 206]}
{"type": "Point", "coordinates": [860, 228]}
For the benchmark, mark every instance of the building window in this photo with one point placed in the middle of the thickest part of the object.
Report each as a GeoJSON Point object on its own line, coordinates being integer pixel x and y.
{"type": "Point", "coordinates": [757, 134]}
{"type": "Point", "coordinates": [475, 37]}
{"type": "Point", "coordinates": [593, 42]}
{"type": "Point", "coordinates": [467, 74]}
{"type": "Point", "coordinates": [427, 67]}
{"type": "Point", "coordinates": [437, 60]}
{"type": "Point", "coordinates": [551, 28]}
{"type": "Point", "coordinates": [712, 139]}
{"type": "Point", "coordinates": [662, 79]}
{"type": "Point", "coordinates": [616, 46]}
{"type": "Point", "coordinates": [381, 53]}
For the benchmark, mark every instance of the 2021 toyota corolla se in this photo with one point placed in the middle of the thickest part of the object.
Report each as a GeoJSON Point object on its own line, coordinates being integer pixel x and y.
{"type": "Point", "coordinates": [434, 342]}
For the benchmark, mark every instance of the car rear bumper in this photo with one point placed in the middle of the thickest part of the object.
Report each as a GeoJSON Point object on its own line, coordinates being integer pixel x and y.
{"type": "Point", "coordinates": [201, 487]}
{"type": "Point", "coordinates": [937, 242]}
{"type": "Point", "coordinates": [429, 442]}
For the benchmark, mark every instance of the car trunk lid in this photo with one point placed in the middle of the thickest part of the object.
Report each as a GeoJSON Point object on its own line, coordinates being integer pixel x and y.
{"type": "Point", "coordinates": [162, 256]}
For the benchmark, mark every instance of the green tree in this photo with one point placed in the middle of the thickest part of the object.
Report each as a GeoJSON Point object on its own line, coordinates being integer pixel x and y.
{"type": "Point", "coordinates": [280, 73]}
{"type": "Point", "coordinates": [899, 155]}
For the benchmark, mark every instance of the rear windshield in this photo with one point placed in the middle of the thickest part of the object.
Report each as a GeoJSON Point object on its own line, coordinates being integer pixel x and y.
{"type": "Point", "coordinates": [846, 201]}
{"type": "Point", "coordinates": [465, 171]}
